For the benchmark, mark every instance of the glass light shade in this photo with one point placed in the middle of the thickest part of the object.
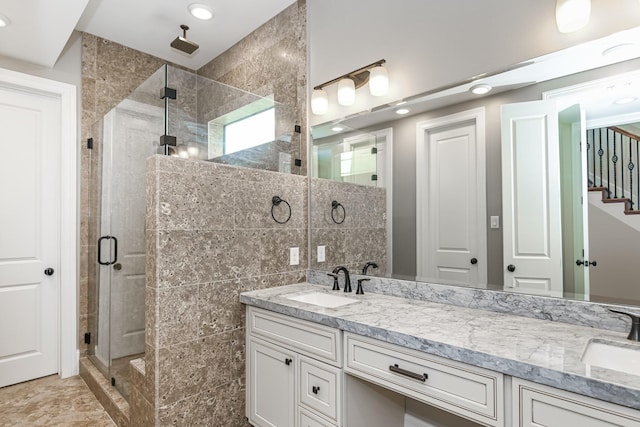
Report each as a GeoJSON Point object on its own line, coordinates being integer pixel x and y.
{"type": "Point", "coordinates": [319, 102]}
{"type": "Point", "coordinates": [571, 15]}
{"type": "Point", "coordinates": [378, 81]}
{"type": "Point", "coordinates": [346, 92]}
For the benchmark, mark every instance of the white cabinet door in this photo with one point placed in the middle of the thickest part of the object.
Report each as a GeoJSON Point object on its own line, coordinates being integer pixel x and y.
{"type": "Point", "coordinates": [271, 392]}
{"type": "Point", "coordinates": [541, 406]}
{"type": "Point", "coordinates": [532, 237]}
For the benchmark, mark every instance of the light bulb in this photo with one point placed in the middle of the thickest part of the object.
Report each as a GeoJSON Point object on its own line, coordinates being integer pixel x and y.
{"type": "Point", "coordinates": [201, 11]}
{"type": "Point", "coordinates": [319, 102]}
{"type": "Point", "coordinates": [346, 92]}
{"type": "Point", "coordinates": [378, 81]}
{"type": "Point", "coordinates": [571, 15]}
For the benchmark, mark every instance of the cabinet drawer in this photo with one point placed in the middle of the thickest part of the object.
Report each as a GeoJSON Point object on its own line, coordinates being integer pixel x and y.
{"type": "Point", "coordinates": [317, 341]}
{"type": "Point", "coordinates": [320, 387]}
{"type": "Point", "coordinates": [543, 406]}
{"type": "Point", "coordinates": [307, 419]}
{"type": "Point", "coordinates": [471, 392]}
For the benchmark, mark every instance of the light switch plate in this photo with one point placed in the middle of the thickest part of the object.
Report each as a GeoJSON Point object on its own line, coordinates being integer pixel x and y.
{"type": "Point", "coordinates": [321, 255]}
{"type": "Point", "coordinates": [294, 256]}
{"type": "Point", "coordinates": [495, 222]}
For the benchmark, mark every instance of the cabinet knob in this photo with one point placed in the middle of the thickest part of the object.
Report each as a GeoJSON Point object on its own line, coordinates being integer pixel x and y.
{"type": "Point", "coordinates": [288, 361]}
{"type": "Point", "coordinates": [315, 389]}
{"type": "Point", "coordinates": [511, 268]}
{"type": "Point", "coordinates": [48, 271]}
{"type": "Point", "coordinates": [474, 261]}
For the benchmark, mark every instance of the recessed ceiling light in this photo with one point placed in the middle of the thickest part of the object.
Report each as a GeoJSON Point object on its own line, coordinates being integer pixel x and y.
{"type": "Point", "coordinates": [4, 21]}
{"type": "Point", "coordinates": [625, 100]}
{"type": "Point", "coordinates": [337, 129]}
{"type": "Point", "coordinates": [201, 11]}
{"type": "Point", "coordinates": [480, 89]}
{"type": "Point", "coordinates": [402, 111]}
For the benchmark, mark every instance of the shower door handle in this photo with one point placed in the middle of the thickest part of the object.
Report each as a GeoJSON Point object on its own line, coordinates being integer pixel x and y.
{"type": "Point", "coordinates": [115, 250]}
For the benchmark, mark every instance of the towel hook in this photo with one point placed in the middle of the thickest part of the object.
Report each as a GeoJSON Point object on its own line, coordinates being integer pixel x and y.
{"type": "Point", "coordinates": [334, 207]}
{"type": "Point", "coordinates": [275, 201]}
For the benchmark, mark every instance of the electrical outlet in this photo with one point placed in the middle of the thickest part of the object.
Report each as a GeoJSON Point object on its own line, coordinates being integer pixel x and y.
{"type": "Point", "coordinates": [321, 253]}
{"type": "Point", "coordinates": [294, 256]}
{"type": "Point", "coordinates": [495, 222]}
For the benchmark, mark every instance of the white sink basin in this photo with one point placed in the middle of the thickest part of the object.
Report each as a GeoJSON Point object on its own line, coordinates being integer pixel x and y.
{"type": "Point", "coordinates": [322, 299]}
{"type": "Point", "coordinates": [618, 356]}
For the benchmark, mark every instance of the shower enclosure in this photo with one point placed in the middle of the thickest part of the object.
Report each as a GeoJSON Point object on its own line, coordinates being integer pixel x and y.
{"type": "Point", "coordinates": [178, 113]}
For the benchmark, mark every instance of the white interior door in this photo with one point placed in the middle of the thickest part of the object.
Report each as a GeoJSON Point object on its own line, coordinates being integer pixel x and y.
{"type": "Point", "coordinates": [532, 238]}
{"type": "Point", "coordinates": [30, 135]}
{"type": "Point", "coordinates": [451, 210]}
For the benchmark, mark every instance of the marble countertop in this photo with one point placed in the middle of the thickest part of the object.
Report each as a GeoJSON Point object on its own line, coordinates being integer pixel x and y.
{"type": "Point", "coordinates": [538, 350]}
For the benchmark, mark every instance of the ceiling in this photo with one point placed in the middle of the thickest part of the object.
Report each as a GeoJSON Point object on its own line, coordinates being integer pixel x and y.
{"type": "Point", "coordinates": [39, 29]}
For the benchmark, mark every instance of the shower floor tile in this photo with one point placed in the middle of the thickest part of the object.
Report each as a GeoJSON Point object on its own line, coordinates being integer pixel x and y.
{"type": "Point", "coordinates": [51, 401]}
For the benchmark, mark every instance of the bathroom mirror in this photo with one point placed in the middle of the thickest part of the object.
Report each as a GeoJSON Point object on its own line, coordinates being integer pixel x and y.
{"type": "Point", "coordinates": [383, 207]}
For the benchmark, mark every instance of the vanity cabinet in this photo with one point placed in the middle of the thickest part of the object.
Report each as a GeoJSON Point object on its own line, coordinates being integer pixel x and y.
{"type": "Point", "coordinates": [536, 405]}
{"type": "Point", "coordinates": [470, 392]}
{"type": "Point", "coordinates": [294, 372]}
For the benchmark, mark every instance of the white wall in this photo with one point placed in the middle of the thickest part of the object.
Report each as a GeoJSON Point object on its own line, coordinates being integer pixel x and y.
{"type": "Point", "coordinates": [431, 43]}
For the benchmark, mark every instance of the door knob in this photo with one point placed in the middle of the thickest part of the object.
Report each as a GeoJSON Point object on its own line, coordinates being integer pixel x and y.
{"type": "Point", "coordinates": [511, 268]}
{"type": "Point", "coordinates": [48, 271]}
{"type": "Point", "coordinates": [474, 261]}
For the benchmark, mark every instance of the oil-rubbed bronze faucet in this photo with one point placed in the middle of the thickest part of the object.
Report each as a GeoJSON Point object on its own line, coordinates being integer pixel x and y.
{"type": "Point", "coordinates": [367, 265]}
{"type": "Point", "coordinates": [347, 279]}
{"type": "Point", "coordinates": [634, 334]}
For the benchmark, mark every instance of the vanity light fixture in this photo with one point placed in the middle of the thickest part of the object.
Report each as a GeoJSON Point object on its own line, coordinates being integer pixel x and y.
{"type": "Point", "coordinates": [4, 21]}
{"type": "Point", "coordinates": [572, 15]}
{"type": "Point", "coordinates": [346, 91]}
{"type": "Point", "coordinates": [402, 111]}
{"type": "Point", "coordinates": [201, 11]}
{"type": "Point", "coordinates": [480, 89]}
{"type": "Point", "coordinates": [374, 74]}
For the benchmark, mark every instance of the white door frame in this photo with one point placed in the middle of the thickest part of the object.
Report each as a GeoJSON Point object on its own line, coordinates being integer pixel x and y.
{"type": "Point", "coordinates": [68, 359]}
{"type": "Point", "coordinates": [477, 116]}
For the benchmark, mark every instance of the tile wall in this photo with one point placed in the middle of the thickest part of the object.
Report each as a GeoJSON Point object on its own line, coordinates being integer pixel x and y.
{"type": "Point", "coordinates": [210, 236]}
{"type": "Point", "coordinates": [362, 237]}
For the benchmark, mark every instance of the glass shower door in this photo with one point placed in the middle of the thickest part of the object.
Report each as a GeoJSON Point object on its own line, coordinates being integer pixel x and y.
{"type": "Point", "coordinates": [123, 141]}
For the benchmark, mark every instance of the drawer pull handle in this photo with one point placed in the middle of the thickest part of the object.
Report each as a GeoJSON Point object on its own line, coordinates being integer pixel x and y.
{"type": "Point", "coordinates": [287, 362]}
{"type": "Point", "coordinates": [315, 389]}
{"type": "Point", "coordinates": [398, 370]}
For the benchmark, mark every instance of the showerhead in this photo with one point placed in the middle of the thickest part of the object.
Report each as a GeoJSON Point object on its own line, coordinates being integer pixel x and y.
{"type": "Point", "coordinates": [184, 45]}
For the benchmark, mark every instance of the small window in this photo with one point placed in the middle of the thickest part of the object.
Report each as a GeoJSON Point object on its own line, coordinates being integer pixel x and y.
{"type": "Point", "coordinates": [250, 132]}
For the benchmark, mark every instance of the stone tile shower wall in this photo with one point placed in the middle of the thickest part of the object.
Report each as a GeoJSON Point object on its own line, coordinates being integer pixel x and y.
{"type": "Point", "coordinates": [362, 237]}
{"type": "Point", "coordinates": [210, 236]}
{"type": "Point", "coordinates": [269, 61]}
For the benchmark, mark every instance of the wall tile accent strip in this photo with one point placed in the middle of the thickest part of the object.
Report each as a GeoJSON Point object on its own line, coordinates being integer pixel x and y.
{"type": "Point", "coordinates": [581, 313]}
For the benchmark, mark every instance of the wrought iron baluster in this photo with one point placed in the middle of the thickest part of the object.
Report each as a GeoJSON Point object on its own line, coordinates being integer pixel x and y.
{"type": "Point", "coordinates": [587, 154]}
{"type": "Point", "coordinates": [630, 166]}
{"type": "Point", "coordinates": [638, 171]}
{"type": "Point", "coordinates": [600, 154]}
{"type": "Point", "coordinates": [621, 164]}
{"type": "Point", "coordinates": [614, 159]}
{"type": "Point", "coordinates": [608, 167]}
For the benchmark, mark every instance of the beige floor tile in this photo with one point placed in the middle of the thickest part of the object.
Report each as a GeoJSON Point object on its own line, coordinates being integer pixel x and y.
{"type": "Point", "coordinates": [51, 401]}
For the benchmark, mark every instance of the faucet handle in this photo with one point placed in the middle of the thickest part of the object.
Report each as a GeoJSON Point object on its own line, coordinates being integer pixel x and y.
{"type": "Point", "coordinates": [335, 281]}
{"type": "Point", "coordinates": [634, 333]}
{"type": "Point", "coordinates": [360, 291]}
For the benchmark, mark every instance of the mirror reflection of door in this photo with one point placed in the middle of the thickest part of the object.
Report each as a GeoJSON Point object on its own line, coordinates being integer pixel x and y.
{"type": "Point", "coordinates": [532, 234]}
{"type": "Point", "coordinates": [594, 230]}
{"type": "Point", "coordinates": [451, 211]}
